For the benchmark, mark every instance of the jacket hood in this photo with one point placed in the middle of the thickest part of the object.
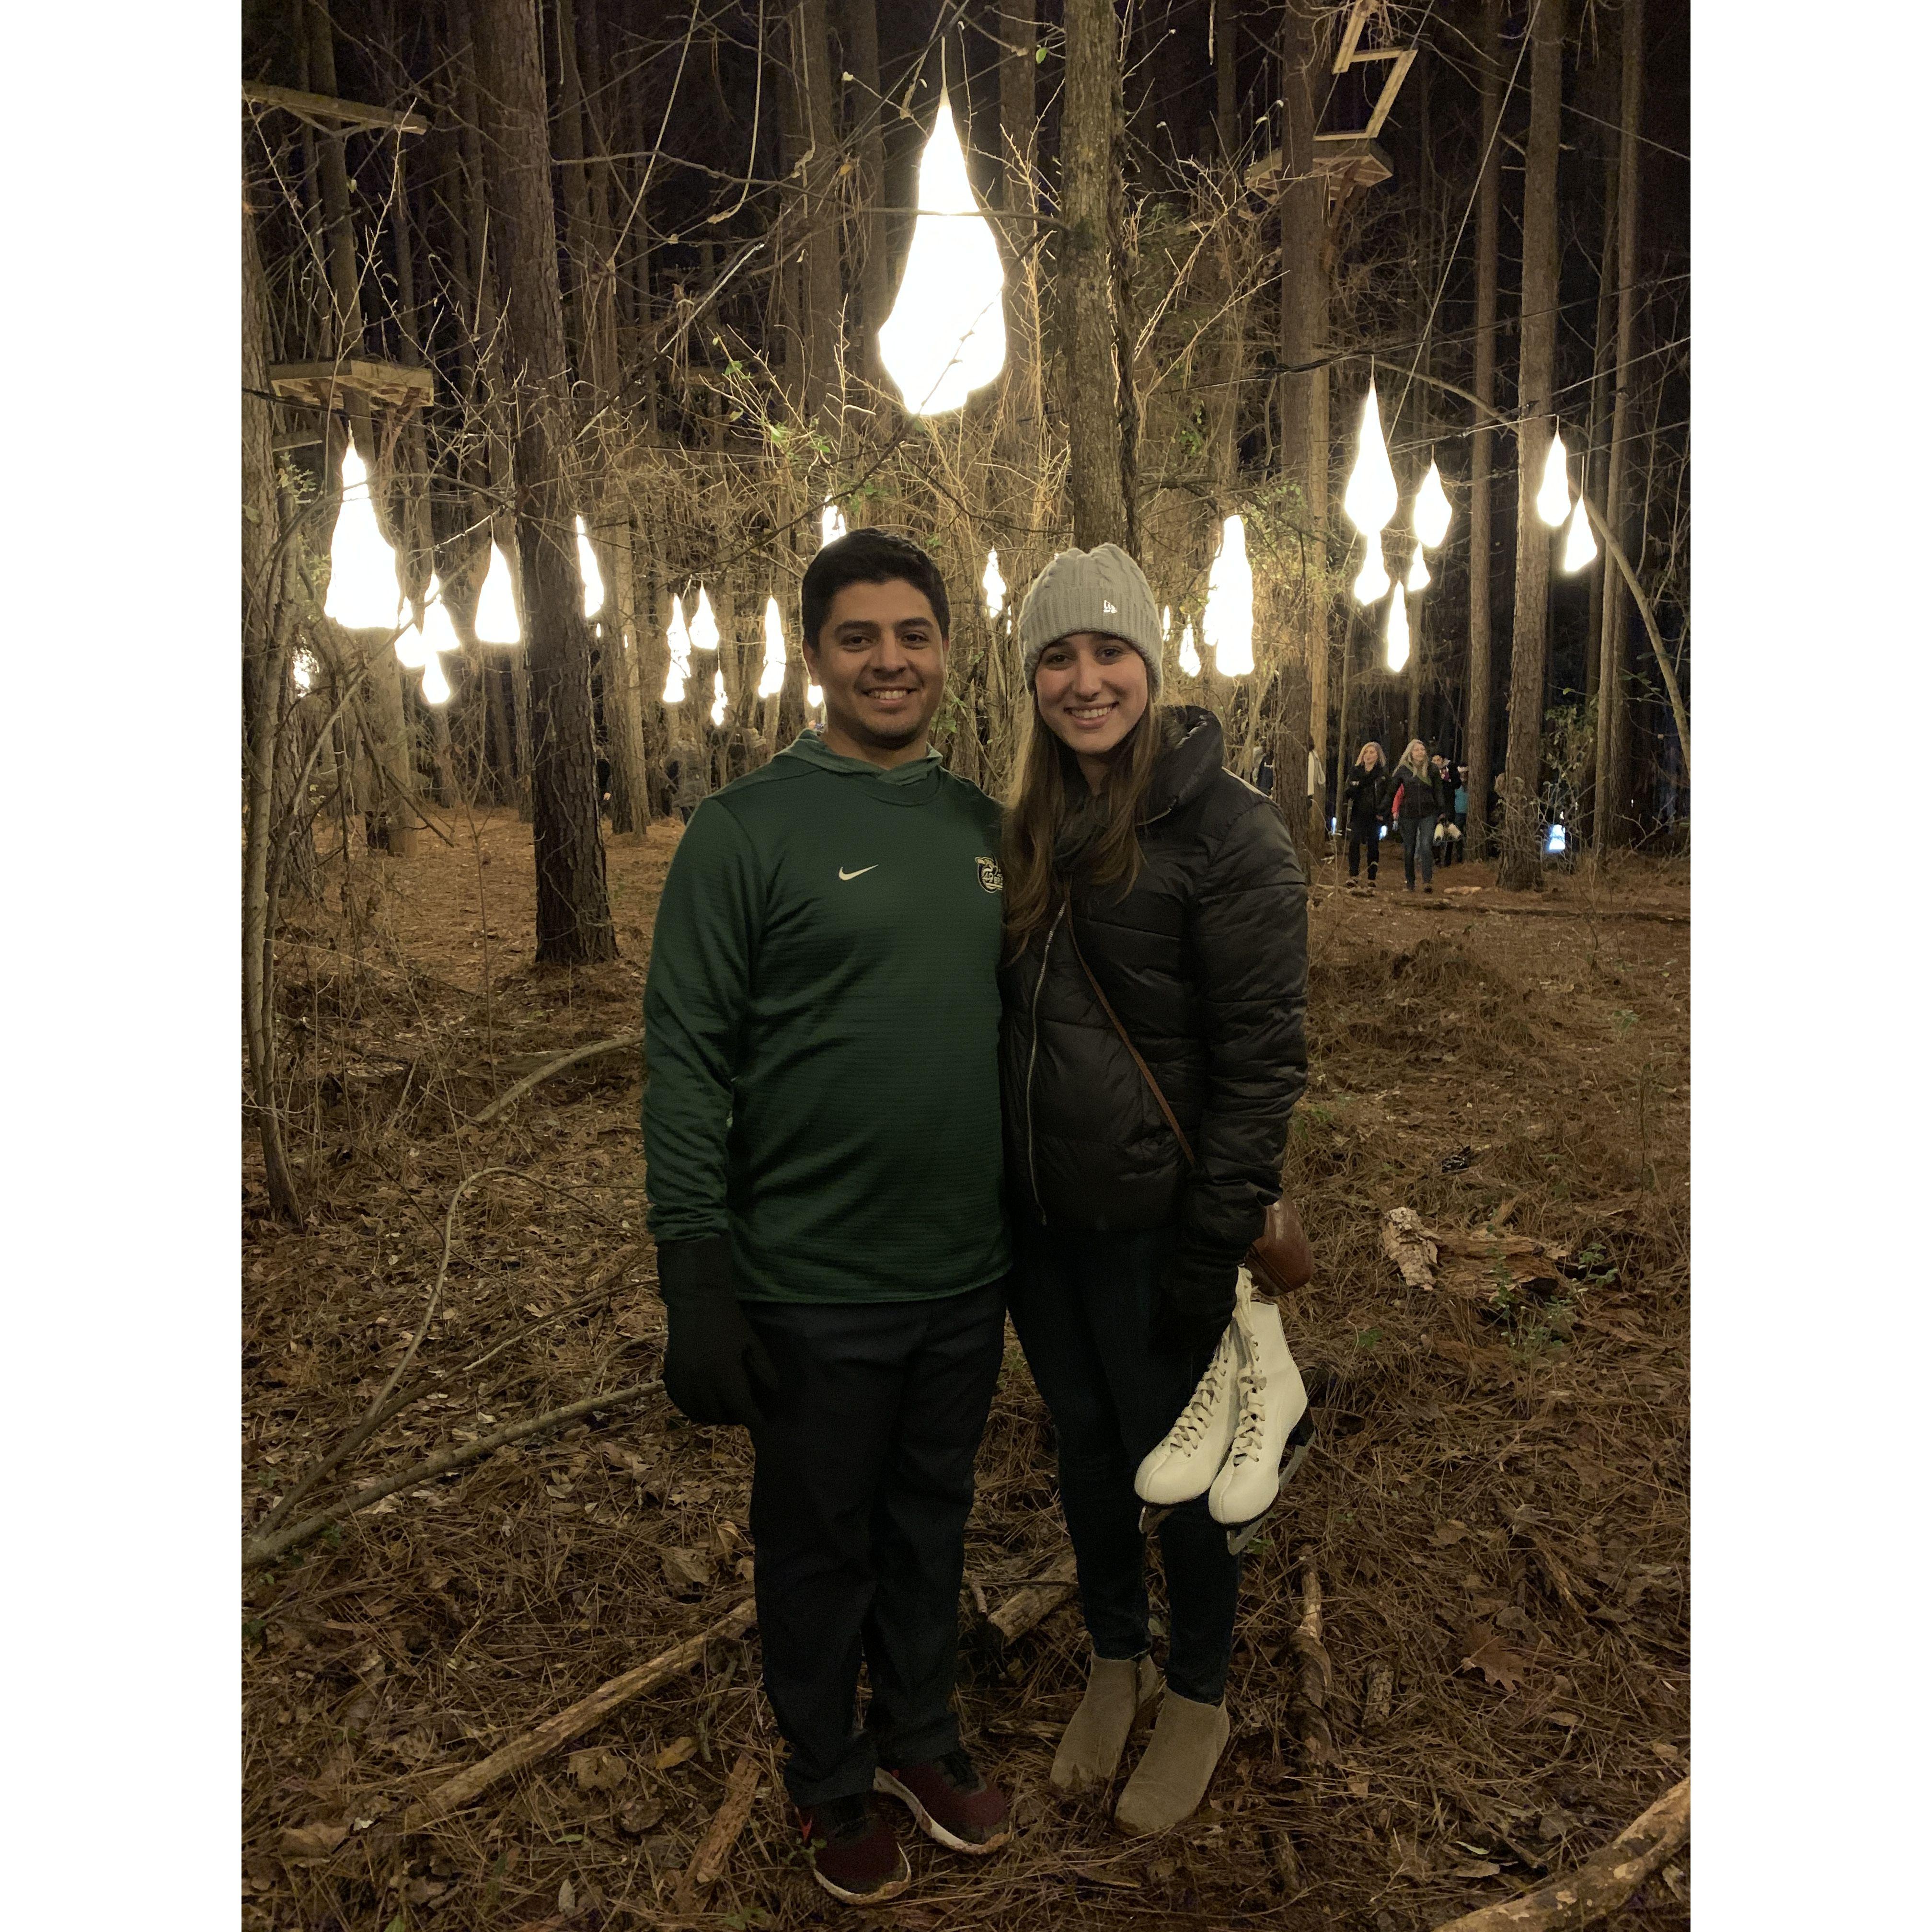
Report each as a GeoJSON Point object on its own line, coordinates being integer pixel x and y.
{"type": "Point", "coordinates": [1192, 760]}
{"type": "Point", "coordinates": [809, 746]}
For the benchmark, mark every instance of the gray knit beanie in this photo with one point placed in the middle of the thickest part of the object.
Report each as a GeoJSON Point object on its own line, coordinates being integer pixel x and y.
{"type": "Point", "coordinates": [1099, 589]}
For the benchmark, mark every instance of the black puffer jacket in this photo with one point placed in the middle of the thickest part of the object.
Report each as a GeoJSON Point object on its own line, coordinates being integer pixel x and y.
{"type": "Point", "coordinates": [1205, 960]}
{"type": "Point", "coordinates": [1365, 796]}
{"type": "Point", "coordinates": [1422, 795]}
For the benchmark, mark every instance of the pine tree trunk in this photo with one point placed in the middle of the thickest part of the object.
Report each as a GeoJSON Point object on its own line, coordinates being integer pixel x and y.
{"type": "Point", "coordinates": [1019, 136]}
{"type": "Point", "coordinates": [818, 209]}
{"type": "Point", "coordinates": [1613, 725]}
{"type": "Point", "coordinates": [1095, 484]}
{"type": "Point", "coordinates": [1304, 392]}
{"type": "Point", "coordinates": [1489, 195]}
{"type": "Point", "coordinates": [872, 266]}
{"type": "Point", "coordinates": [573, 914]}
{"type": "Point", "coordinates": [1521, 860]}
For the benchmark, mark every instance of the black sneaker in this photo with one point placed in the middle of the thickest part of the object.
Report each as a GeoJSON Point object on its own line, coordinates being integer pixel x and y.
{"type": "Point", "coordinates": [852, 1850]}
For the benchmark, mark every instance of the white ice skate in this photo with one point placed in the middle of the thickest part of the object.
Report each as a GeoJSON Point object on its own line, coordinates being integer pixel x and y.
{"type": "Point", "coordinates": [1184, 1463]}
{"type": "Point", "coordinates": [1271, 1401]}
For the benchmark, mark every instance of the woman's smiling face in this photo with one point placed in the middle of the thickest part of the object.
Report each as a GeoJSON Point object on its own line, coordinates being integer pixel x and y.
{"type": "Point", "coordinates": [1092, 690]}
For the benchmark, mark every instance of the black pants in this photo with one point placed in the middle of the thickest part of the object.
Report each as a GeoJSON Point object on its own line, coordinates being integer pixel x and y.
{"type": "Point", "coordinates": [1359, 835]}
{"type": "Point", "coordinates": [860, 1497]}
{"type": "Point", "coordinates": [1083, 1305]}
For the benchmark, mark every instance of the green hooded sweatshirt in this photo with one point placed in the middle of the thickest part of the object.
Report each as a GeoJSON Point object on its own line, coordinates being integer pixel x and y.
{"type": "Point", "coordinates": [821, 1026]}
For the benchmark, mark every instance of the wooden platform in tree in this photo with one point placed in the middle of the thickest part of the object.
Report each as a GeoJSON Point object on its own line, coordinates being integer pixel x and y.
{"type": "Point", "coordinates": [1350, 162]}
{"type": "Point", "coordinates": [330, 116]}
{"type": "Point", "coordinates": [355, 380]}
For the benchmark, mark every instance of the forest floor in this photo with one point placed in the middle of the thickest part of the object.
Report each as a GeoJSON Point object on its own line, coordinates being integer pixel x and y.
{"type": "Point", "coordinates": [1496, 1504]}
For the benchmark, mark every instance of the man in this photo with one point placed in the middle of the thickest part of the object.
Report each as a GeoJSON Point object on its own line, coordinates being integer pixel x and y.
{"type": "Point", "coordinates": [689, 770]}
{"type": "Point", "coordinates": [822, 1137]}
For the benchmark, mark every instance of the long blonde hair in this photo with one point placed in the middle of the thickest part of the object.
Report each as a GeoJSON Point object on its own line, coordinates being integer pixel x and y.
{"type": "Point", "coordinates": [1419, 767]}
{"type": "Point", "coordinates": [1037, 810]}
{"type": "Point", "coordinates": [1381, 756]}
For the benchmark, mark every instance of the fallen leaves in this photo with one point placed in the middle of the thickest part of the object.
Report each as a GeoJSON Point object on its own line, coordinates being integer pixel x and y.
{"type": "Point", "coordinates": [1407, 1243]}
{"type": "Point", "coordinates": [598, 1770]}
{"type": "Point", "coordinates": [674, 1754]}
{"type": "Point", "coordinates": [312, 1841]}
{"type": "Point", "coordinates": [687, 1571]}
{"type": "Point", "coordinates": [1487, 1651]}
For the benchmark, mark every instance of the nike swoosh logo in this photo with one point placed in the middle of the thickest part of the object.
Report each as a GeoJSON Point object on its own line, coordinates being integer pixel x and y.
{"type": "Point", "coordinates": [859, 874]}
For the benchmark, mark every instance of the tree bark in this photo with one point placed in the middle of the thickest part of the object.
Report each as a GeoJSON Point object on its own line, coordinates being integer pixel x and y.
{"type": "Point", "coordinates": [573, 914]}
{"type": "Point", "coordinates": [1304, 391]}
{"type": "Point", "coordinates": [1522, 860]}
{"type": "Point", "coordinates": [1019, 138]}
{"type": "Point", "coordinates": [1612, 790]}
{"type": "Point", "coordinates": [859, 23]}
{"type": "Point", "coordinates": [819, 331]}
{"type": "Point", "coordinates": [1489, 195]}
{"type": "Point", "coordinates": [1096, 488]}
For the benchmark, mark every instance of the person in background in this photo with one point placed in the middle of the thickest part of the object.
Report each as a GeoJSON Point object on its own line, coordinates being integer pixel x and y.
{"type": "Point", "coordinates": [1265, 775]}
{"type": "Point", "coordinates": [1419, 804]}
{"type": "Point", "coordinates": [824, 1169]}
{"type": "Point", "coordinates": [1317, 789]}
{"type": "Point", "coordinates": [1459, 804]}
{"type": "Point", "coordinates": [1448, 833]}
{"type": "Point", "coordinates": [1365, 808]}
{"type": "Point", "coordinates": [689, 770]}
{"type": "Point", "coordinates": [1145, 880]}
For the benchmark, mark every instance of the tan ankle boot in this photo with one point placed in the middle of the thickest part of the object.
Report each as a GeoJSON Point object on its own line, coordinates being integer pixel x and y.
{"type": "Point", "coordinates": [1171, 1779]}
{"type": "Point", "coordinates": [1090, 1748]}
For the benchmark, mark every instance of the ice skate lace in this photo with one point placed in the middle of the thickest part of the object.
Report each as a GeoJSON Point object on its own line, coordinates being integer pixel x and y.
{"type": "Point", "coordinates": [1253, 1424]}
{"type": "Point", "coordinates": [1186, 1433]}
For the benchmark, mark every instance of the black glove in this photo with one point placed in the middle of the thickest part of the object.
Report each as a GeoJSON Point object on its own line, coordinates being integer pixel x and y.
{"type": "Point", "coordinates": [1195, 1298]}
{"type": "Point", "coordinates": [716, 1369]}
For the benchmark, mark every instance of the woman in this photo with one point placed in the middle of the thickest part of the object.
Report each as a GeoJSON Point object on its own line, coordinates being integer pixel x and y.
{"type": "Point", "coordinates": [1365, 803]}
{"type": "Point", "coordinates": [1131, 855]}
{"type": "Point", "coordinates": [1419, 793]}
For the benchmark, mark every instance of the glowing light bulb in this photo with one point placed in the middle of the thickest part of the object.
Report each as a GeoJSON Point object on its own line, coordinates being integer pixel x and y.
{"type": "Point", "coordinates": [1166, 622]}
{"type": "Point", "coordinates": [303, 671]}
{"type": "Point", "coordinates": [593, 578]}
{"type": "Point", "coordinates": [703, 623]}
{"type": "Point", "coordinates": [412, 650]}
{"type": "Point", "coordinates": [435, 685]}
{"type": "Point", "coordinates": [363, 593]}
{"type": "Point", "coordinates": [995, 586]}
{"type": "Point", "coordinates": [1228, 624]}
{"type": "Point", "coordinates": [1398, 631]}
{"type": "Point", "coordinates": [1553, 494]}
{"type": "Point", "coordinates": [946, 335]}
{"type": "Point", "coordinates": [1431, 513]}
{"type": "Point", "coordinates": [1369, 500]}
{"type": "Point", "coordinates": [771, 677]}
{"type": "Point", "coordinates": [717, 695]}
{"type": "Point", "coordinates": [1579, 548]}
{"type": "Point", "coordinates": [1373, 580]}
{"type": "Point", "coordinates": [1418, 577]}
{"type": "Point", "coordinates": [496, 621]}
{"type": "Point", "coordinates": [439, 633]}
{"type": "Point", "coordinates": [814, 698]}
{"type": "Point", "coordinates": [677, 635]}
{"type": "Point", "coordinates": [831, 524]}
{"type": "Point", "coordinates": [1190, 658]}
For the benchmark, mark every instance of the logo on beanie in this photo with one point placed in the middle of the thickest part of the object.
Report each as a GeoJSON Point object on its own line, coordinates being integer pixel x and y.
{"type": "Point", "coordinates": [1111, 610]}
{"type": "Point", "coordinates": [989, 874]}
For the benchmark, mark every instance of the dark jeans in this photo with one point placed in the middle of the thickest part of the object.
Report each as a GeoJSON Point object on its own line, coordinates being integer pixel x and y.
{"type": "Point", "coordinates": [860, 1497]}
{"type": "Point", "coordinates": [1418, 843]}
{"type": "Point", "coordinates": [1083, 1305]}
{"type": "Point", "coordinates": [1360, 835]}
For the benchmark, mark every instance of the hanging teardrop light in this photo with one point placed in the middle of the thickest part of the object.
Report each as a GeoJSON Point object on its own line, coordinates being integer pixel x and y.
{"type": "Point", "coordinates": [946, 335]}
{"type": "Point", "coordinates": [435, 685]}
{"type": "Point", "coordinates": [302, 669]}
{"type": "Point", "coordinates": [995, 586]}
{"type": "Point", "coordinates": [1432, 513]}
{"type": "Point", "coordinates": [412, 650]}
{"type": "Point", "coordinates": [1166, 622]}
{"type": "Point", "coordinates": [593, 578]}
{"type": "Point", "coordinates": [831, 524]}
{"type": "Point", "coordinates": [1228, 624]}
{"type": "Point", "coordinates": [1579, 548]}
{"type": "Point", "coordinates": [1370, 498]}
{"type": "Point", "coordinates": [1398, 631]}
{"type": "Point", "coordinates": [771, 675]}
{"type": "Point", "coordinates": [496, 621]}
{"type": "Point", "coordinates": [1190, 658]}
{"type": "Point", "coordinates": [1372, 581]}
{"type": "Point", "coordinates": [717, 695]}
{"type": "Point", "coordinates": [814, 698]}
{"type": "Point", "coordinates": [1418, 577]}
{"type": "Point", "coordinates": [677, 635]}
{"type": "Point", "coordinates": [363, 593]}
{"type": "Point", "coordinates": [439, 632]}
{"type": "Point", "coordinates": [1552, 495]}
{"type": "Point", "coordinates": [703, 623]}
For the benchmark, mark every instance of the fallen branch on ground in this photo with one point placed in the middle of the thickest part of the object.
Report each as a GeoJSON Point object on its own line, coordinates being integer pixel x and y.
{"type": "Point", "coordinates": [596, 1050]}
{"type": "Point", "coordinates": [729, 1820]}
{"type": "Point", "coordinates": [575, 1719]}
{"type": "Point", "coordinates": [1598, 1885]}
{"type": "Point", "coordinates": [1309, 1704]}
{"type": "Point", "coordinates": [261, 1549]}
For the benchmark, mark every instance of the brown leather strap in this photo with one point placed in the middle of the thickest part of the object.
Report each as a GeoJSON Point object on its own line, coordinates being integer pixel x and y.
{"type": "Point", "coordinates": [1147, 1072]}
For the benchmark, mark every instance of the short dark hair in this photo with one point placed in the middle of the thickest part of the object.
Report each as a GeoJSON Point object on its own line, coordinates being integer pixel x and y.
{"type": "Point", "coordinates": [868, 556]}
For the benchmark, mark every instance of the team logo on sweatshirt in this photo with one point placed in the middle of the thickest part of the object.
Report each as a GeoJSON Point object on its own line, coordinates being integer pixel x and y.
{"type": "Point", "coordinates": [989, 874]}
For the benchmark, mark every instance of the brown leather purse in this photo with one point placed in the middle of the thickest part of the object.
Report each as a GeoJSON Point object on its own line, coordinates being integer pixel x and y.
{"type": "Point", "coordinates": [1280, 1261]}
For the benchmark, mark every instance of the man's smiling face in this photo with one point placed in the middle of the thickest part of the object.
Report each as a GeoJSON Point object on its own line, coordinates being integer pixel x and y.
{"type": "Point", "coordinates": [879, 658]}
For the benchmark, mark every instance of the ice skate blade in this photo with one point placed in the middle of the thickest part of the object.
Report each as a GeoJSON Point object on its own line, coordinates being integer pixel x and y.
{"type": "Point", "coordinates": [1153, 1515]}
